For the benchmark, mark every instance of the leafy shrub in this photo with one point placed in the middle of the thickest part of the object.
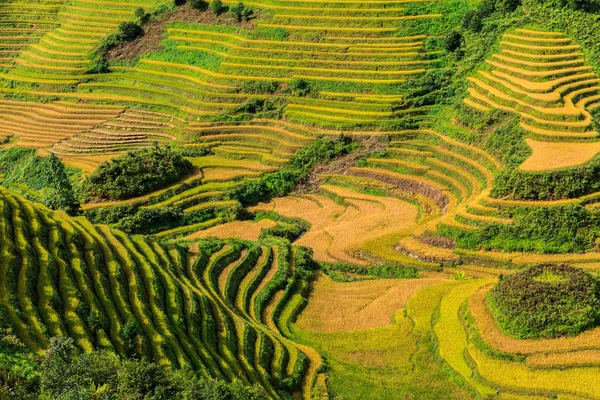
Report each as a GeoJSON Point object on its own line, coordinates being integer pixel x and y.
{"type": "Point", "coordinates": [280, 183]}
{"type": "Point", "coordinates": [199, 4]}
{"type": "Point", "coordinates": [64, 373]}
{"type": "Point", "coordinates": [453, 42]}
{"type": "Point", "coordinates": [546, 301]}
{"type": "Point", "coordinates": [217, 7]}
{"type": "Point", "coordinates": [472, 21]}
{"type": "Point", "coordinates": [149, 220]}
{"type": "Point", "coordinates": [48, 176]}
{"type": "Point", "coordinates": [300, 87]}
{"type": "Point", "coordinates": [136, 173]}
{"type": "Point", "coordinates": [260, 87]}
{"type": "Point", "coordinates": [141, 16]}
{"type": "Point", "coordinates": [596, 119]}
{"type": "Point", "coordinates": [341, 271]}
{"type": "Point", "coordinates": [201, 151]}
{"type": "Point", "coordinates": [507, 6]}
{"type": "Point", "coordinates": [110, 215]}
{"type": "Point", "coordinates": [577, 5]}
{"type": "Point", "coordinates": [241, 12]}
{"type": "Point", "coordinates": [286, 231]}
{"type": "Point", "coordinates": [551, 185]}
{"type": "Point", "coordinates": [432, 87]}
{"type": "Point", "coordinates": [129, 31]}
{"type": "Point", "coordinates": [562, 229]}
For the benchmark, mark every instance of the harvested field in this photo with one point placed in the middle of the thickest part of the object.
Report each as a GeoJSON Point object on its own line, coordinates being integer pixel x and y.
{"type": "Point", "coordinates": [553, 155]}
{"type": "Point", "coordinates": [358, 305]}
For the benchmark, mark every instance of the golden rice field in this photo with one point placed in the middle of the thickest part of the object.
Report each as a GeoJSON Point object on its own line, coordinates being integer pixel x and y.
{"type": "Point", "coordinates": [543, 78]}
{"type": "Point", "coordinates": [221, 293]}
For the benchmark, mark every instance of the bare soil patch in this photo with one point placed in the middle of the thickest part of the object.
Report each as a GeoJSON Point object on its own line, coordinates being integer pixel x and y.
{"type": "Point", "coordinates": [343, 164]}
{"type": "Point", "coordinates": [154, 32]}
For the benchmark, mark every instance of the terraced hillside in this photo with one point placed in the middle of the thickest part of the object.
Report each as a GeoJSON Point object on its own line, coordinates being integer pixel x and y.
{"type": "Point", "coordinates": [22, 24]}
{"type": "Point", "coordinates": [222, 308]}
{"type": "Point", "coordinates": [420, 149]}
{"type": "Point", "coordinates": [542, 77]}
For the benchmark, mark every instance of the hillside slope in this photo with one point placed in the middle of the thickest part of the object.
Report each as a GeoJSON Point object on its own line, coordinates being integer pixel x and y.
{"type": "Point", "coordinates": [220, 307]}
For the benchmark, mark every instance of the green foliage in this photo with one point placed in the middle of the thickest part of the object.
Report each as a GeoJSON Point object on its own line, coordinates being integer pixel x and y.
{"type": "Point", "coordinates": [128, 31]}
{"type": "Point", "coordinates": [576, 5]}
{"type": "Point", "coordinates": [507, 143]}
{"type": "Point", "coordinates": [136, 173]}
{"type": "Point", "coordinates": [66, 374]}
{"type": "Point", "coordinates": [432, 87]}
{"type": "Point", "coordinates": [453, 42]}
{"type": "Point", "coordinates": [528, 305]}
{"type": "Point", "coordinates": [110, 215]}
{"type": "Point", "coordinates": [280, 183]}
{"type": "Point", "coordinates": [348, 272]}
{"type": "Point", "coordinates": [131, 334]}
{"type": "Point", "coordinates": [575, 182]}
{"type": "Point", "coordinates": [260, 87]}
{"type": "Point", "coordinates": [596, 119]}
{"type": "Point", "coordinates": [217, 7]}
{"type": "Point", "coordinates": [151, 220]}
{"type": "Point", "coordinates": [561, 229]}
{"type": "Point", "coordinates": [19, 376]}
{"type": "Point", "coordinates": [192, 152]}
{"type": "Point", "coordinates": [241, 12]}
{"type": "Point", "coordinates": [198, 4]}
{"type": "Point", "coordinates": [49, 179]}
{"type": "Point", "coordinates": [300, 87]}
{"type": "Point", "coordinates": [141, 16]}
{"type": "Point", "coordinates": [260, 107]}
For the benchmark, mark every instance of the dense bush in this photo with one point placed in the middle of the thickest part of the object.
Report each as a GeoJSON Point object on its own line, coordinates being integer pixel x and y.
{"type": "Point", "coordinates": [48, 177]}
{"type": "Point", "coordinates": [348, 272]}
{"type": "Point", "coordinates": [562, 229]}
{"type": "Point", "coordinates": [546, 301]}
{"type": "Point", "coordinates": [65, 374]}
{"type": "Point", "coordinates": [596, 119]}
{"type": "Point", "coordinates": [300, 87]}
{"type": "Point", "coordinates": [136, 173]}
{"type": "Point", "coordinates": [241, 12]}
{"type": "Point", "coordinates": [432, 87]}
{"type": "Point", "coordinates": [453, 42]}
{"type": "Point", "coordinates": [199, 4]}
{"type": "Point", "coordinates": [260, 87]}
{"type": "Point", "coordinates": [128, 31]}
{"type": "Point", "coordinates": [217, 7]}
{"type": "Point", "coordinates": [280, 183]}
{"type": "Point", "coordinates": [201, 151]}
{"type": "Point", "coordinates": [577, 5]}
{"type": "Point", "coordinates": [574, 182]}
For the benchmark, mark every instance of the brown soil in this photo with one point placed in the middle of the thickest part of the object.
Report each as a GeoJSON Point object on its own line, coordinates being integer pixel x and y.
{"type": "Point", "coordinates": [342, 165]}
{"type": "Point", "coordinates": [154, 32]}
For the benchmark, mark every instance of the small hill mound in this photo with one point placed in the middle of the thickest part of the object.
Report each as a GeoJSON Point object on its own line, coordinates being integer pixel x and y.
{"type": "Point", "coordinates": [546, 301]}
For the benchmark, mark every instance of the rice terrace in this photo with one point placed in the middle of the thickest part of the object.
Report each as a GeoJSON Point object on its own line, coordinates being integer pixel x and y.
{"type": "Point", "coordinates": [300, 199]}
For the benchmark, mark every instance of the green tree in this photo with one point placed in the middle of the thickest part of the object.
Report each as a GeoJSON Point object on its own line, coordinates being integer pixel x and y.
{"type": "Point", "coordinates": [217, 7]}
{"type": "Point", "coordinates": [453, 42]}
{"type": "Point", "coordinates": [241, 12]}
{"type": "Point", "coordinates": [59, 195]}
{"type": "Point", "coordinates": [198, 4]}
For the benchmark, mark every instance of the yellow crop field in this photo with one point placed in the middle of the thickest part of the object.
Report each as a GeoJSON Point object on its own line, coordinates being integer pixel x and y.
{"type": "Point", "coordinates": [359, 305]}
{"type": "Point", "coordinates": [548, 155]}
{"type": "Point", "coordinates": [306, 199]}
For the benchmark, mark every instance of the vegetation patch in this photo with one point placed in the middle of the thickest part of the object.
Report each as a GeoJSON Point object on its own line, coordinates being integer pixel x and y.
{"type": "Point", "coordinates": [136, 173]}
{"type": "Point", "coordinates": [546, 301]}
